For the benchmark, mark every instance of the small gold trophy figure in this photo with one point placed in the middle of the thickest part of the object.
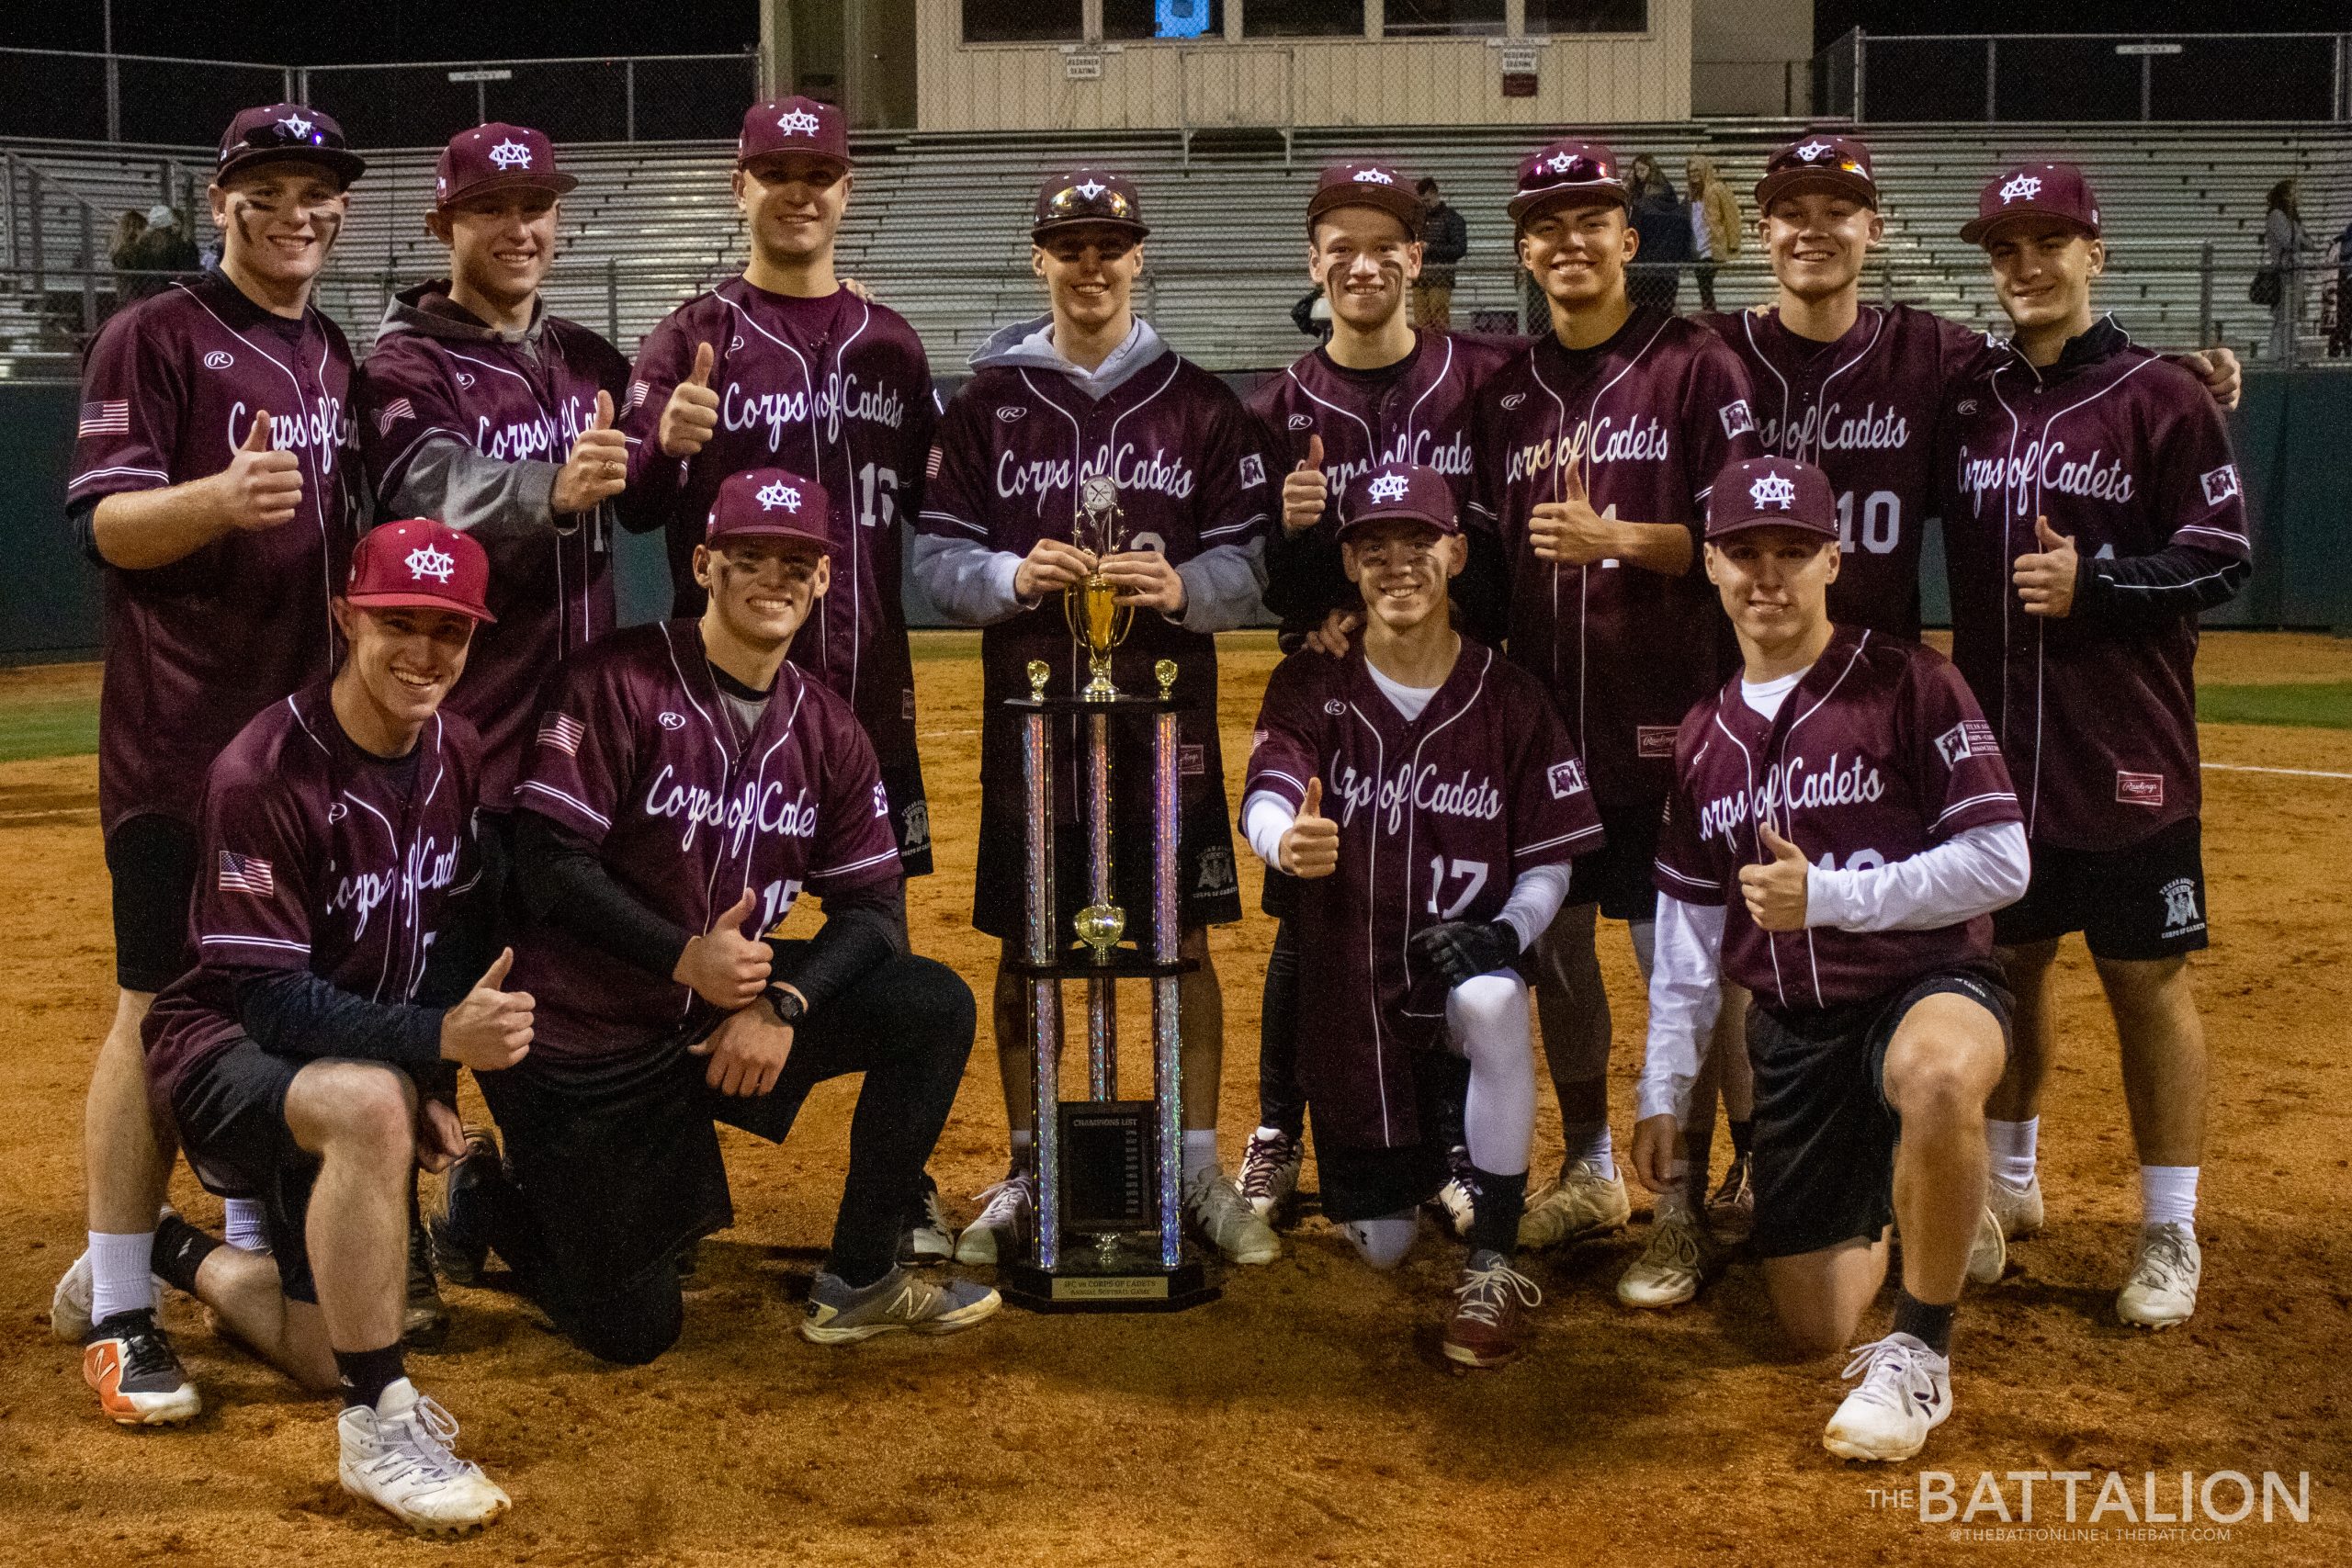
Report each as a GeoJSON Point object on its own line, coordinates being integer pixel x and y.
{"type": "Point", "coordinates": [1096, 617]}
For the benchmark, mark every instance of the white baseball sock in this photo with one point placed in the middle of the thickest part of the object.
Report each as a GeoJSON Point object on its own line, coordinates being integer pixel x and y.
{"type": "Point", "coordinates": [1588, 1141]}
{"type": "Point", "coordinates": [2169, 1195]}
{"type": "Point", "coordinates": [122, 1274]}
{"type": "Point", "coordinates": [1486, 1019]}
{"type": "Point", "coordinates": [2011, 1145]}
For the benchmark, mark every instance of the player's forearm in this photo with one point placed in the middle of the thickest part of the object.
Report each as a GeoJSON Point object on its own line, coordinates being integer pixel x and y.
{"type": "Point", "coordinates": [1972, 874]}
{"type": "Point", "coordinates": [1685, 992]}
{"type": "Point", "coordinates": [293, 1012]}
{"type": "Point", "coordinates": [971, 583]}
{"type": "Point", "coordinates": [1535, 898]}
{"type": "Point", "coordinates": [2133, 591]}
{"type": "Point", "coordinates": [654, 481]}
{"type": "Point", "coordinates": [450, 481]}
{"type": "Point", "coordinates": [1225, 587]}
{"type": "Point", "coordinates": [864, 930]}
{"type": "Point", "coordinates": [565, 882]}
{"type": "Point", "coordinates": [1662, 547]}
{"type": "Point", "coordinates": [140, 530]}
{"type": "Point", "coordinates": [1265, 818]}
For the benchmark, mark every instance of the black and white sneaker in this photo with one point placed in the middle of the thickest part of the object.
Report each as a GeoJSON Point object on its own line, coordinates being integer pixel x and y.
{"type": "Point", "coordinates": [460, 1233]}
{"type": "Point", "coordinates": [927, 1237]}
{"type": "Point", "coordinates": [1268, 1181]}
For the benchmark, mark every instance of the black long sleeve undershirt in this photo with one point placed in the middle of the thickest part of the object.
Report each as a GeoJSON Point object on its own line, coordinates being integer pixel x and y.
{"type": "Point", "coordinates": [2136, 592]}
{"type": "Point", "coordinates": [864, 928]}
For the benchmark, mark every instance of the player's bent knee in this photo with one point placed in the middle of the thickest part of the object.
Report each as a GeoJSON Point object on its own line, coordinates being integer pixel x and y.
{"type": "Point", "coordinates": [1383, 1242]}
{"type": "Point", "coordinates": [932, 1001]}
{"type": "Point", "coordinates": [363, 1107]}
{"type": "Point", "coordinates": [633, 1329]}
{"type": "Point", "coordinates": [1489, 1007]}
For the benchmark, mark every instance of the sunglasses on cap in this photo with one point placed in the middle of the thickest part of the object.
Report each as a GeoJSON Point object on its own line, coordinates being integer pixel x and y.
{"type": "Point", "coordinates": [1092, 199]}
{"type": "Point", "coordinates": [1786, 163]}
{"type": "Point", "coordinates": [276, 133]}
{"type": "Point", "coordinates": [1583, 169]}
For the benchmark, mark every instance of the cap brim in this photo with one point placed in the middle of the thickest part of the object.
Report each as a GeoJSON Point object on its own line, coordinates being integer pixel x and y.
{"type": "Point", "coordinates": [1976, 230]}
{"type": "Point", "coordinates": [1837, 182]}
{"type": "Point", "coordinates": [1532, 203]}
{"type": "Point", "coordinates": [839, 160]}
{"type": "Point", "coordinates": [1403, 206]}
{"type": "Point", "coordinates": [1357, 523]}
{"type": "Point", "coordinates": [818, 542]}
{"type": "Point", "coordinates": [346, 166]}
{"type": "Point", "coordinates": [1055, 225]}
{"type": "Point", "coordinates": [1748, 524]}
{"type": "Point", "coordinates": [410, 599]}
{"type": "Point", "coordinates": [554, 184]}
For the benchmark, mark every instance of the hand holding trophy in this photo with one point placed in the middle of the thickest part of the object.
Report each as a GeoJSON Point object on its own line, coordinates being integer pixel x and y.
{"type": "Point", "coordinates": [1091, 605]}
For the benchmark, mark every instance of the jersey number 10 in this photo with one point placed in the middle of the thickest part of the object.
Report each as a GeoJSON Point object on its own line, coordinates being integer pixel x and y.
{"type": "Point", "coordinates": [1881, 522]}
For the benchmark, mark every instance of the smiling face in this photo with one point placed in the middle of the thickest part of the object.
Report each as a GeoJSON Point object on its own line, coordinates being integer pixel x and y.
{"type": "Point", "coordinates": [1089, 272]}
{"type": "Point", "coordinates": [1577, 254]}
{"type": "Point", "coordinates": [500, 242]}
{"type": "Point", "coordinates": [1818, 239]}
{"type": "Point", "coordinates": [762, 590]}
{"type": "Point", "coordinates": [2043, 269]}
{"type": "Point", "coordinates": [278, 219]}
{"type": "Point", "coordinates": [403, 660]}
{"type": "Point", "coordinates": [792, 202]}
{"type": "Point", "coordinates": [1403, 569]}
{"type": "Point", "coordinates": [1364, 261]}
{"type": "Point", "coordinates": [1774, 583]}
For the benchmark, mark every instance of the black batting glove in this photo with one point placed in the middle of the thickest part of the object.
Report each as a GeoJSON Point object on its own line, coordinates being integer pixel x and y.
{"type": "Point", "coordinates": [1462, 949]}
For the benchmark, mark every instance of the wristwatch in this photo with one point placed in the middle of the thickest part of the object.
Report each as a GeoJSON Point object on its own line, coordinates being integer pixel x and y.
{"type": "Point", "coordinates": [789, 1009]}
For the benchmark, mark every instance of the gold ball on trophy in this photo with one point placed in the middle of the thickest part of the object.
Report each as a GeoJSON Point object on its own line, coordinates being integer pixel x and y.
{"type": "Point", "coordinates": [1039, 673]}
{"type": "Point", "coordinates": [1099, 926]}
{"type": "Point", "coordinates": [1165, 671]}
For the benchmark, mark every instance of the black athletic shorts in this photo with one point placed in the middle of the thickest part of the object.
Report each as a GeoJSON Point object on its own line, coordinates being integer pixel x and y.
{"type": "Point", "coordinates": [1824, 1148]}
{"type": "Point", "coordinates": [1363, 1182]}
{"type": "Point", "coordinates": [232, 1115]}
{"type": "Point", "coordinates": [2144, 901]}
{"type": "Point", "coordinates": [1618, 876]}
{"type": "Point", "coordinates": [909, 815]}
{"type": "Point", "coordinates": [152, 860]}
{"type": "Point", "coordinates": [1207, 892]}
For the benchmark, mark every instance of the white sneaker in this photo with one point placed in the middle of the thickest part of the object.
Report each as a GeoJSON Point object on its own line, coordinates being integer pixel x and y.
{"type": "Point", "coordinates": [926, 1237]}
{"type": "Point", "coordinates": [1008, 1221]}
{"type": "Point", "coordinates": [1268, 1179]}
{"type": "Point", "coordinates": [1227, 1222]}
{"type": "Point", "coordinates": [1582, 1203]}
{"type": "Point", "coordinates": [1988, 1255]}
{"type": "Point", "coordinates": [69, 1304]}
{"type": "Point", "coordinates": [1673, 1265]}
{"type": "Point", "coordinates": [2162, 1287]}
{"type": "Point", "coordinates": [1457, 1200]}
{"type": "Point", "coordinates": [2019, 1209]}
{"type": "Point", "coordinates": [1906, 1393]}
{"type": "Point", "coordinates": [397, 1456]}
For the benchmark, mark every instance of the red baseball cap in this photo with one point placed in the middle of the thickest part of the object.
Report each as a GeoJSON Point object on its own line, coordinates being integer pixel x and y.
{"type": "Point", "coordinates": [1400, 492]}
{"type": "Point", "coordinates": [769, 504]}
{"type": "Point", "coordinates": [1838, 164]}
{"type": "Point", "coordinates": [496, 156]}
{"type": "Point", "coordinates": [422, 563]}
{"type": "Point", "coordinates": [278, 131]}
{"type": "Point", "coordinates": [1562, 171]}
{"type": "Point", "coordinates": [1087, 196]}
{"type": "Point", "coordinates": [2033, 190]}
{"type": "Point", "coordinates": [1771, 492]}
{"type": "Point", "coordinates": [793, 125]}
{"type": "Point", "coordinates": [1365, 184]}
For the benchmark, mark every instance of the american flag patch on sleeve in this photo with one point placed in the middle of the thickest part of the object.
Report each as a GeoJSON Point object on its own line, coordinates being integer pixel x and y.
{"type": "Point", "coordinates": [391, 413]}
{"type": "Point", "coordinates": [109, 418]}
{"type": "Point", "coordinates": [637, 394]}
{"type": "Point", "coordinates": [246, 874]}
{"type": "Point", "coordinates": [563, 732]}
{"type": "Point", "coordinates": [930, 465]}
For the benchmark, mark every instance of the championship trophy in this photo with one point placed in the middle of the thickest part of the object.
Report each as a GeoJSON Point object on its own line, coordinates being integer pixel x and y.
{"type": "Point", "coordinates": [1110, 1221]}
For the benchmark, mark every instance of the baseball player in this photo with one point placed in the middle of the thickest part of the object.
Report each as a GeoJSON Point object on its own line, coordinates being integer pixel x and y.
{"type": "Point", "coordinates": [208, 483]}
{"type": "Point", "coordinates": [479, 409]}
{"type": "Point", "coordinates": [1092, 389]}
{"type": "Point", "coordinates": [2091, 509]}
{"type": "Point", "coordinates": [1379, 392]}
{"type": "Point", "coordinates": [1841, 825]}
{"type": "Point", "coordinates": [1597, 444]}
{"type": "Point", "coordinates": [311, 1055]}
{"type": "Point", "coordinates": [1456, 803]}
{"type": "Point", "coordinates": [688, 784]}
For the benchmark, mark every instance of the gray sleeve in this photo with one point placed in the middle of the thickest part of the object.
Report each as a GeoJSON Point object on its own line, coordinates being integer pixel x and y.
{"type": "Point", "coordinates": [1225, 587]}
{"type": "Point", "coordinates": [971, 583]}
{"type": "Point", "coordinates": [450, 481]}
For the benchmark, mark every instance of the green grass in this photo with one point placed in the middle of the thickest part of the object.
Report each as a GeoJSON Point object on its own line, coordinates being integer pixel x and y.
{"type": "Point", "coordinates": [2317, 705]}
{"type": "Point", "coordinates": [48, 727]}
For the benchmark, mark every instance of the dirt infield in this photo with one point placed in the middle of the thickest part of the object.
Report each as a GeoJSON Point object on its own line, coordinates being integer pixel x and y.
{"type": "Point", "coordinates": [1303, 1417]}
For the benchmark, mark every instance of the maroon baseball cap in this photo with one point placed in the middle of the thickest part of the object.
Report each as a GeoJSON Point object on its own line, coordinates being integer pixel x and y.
{"type": "Point", "coordinates": [496, 157]}
{"type": "Point", "coordinates": [1764, 492]}
{"type": "Point", "coordinates": [279, 131]}
{"type": "Point", "coordinates": [1562, 171]}
{"type": "Point", "coordinates": [1365, 184]}
{"type": "Point", "coordinates": [422, 563]}
{"type": "Point", "coordinates": [1401, 492]}
{"type": "Point", "coordinates": [2033, 190]}
{"type": "Point", "coordinates": [793, 125]}
{"type": "Point", "coordinates": [769, 504]}
{"type": "Point", "coordinates": [1087, 196]}
{"type": "Point", "coordinates": [1840, 164]}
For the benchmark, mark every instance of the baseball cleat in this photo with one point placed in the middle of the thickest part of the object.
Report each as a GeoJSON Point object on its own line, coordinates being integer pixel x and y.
{"type": "Point", "coordinates": [2162, 1291]}
{"type": "Point", "coordinates": [138, 1378]}
{"type": "Point", "coordinates": [1674, 1264]}
{"type": "Point", "coordinates": [1008, 1221]}
{"type": "Point", "coordinates": [2019, 1209]}
{"type": "Point", "coordinates": [1225, 1220]}
{"type": "Point", "coordinates": [1488, 1325]}
{"type": "Point", "coordinates": [900, 1301]}
{"type": "Point", "coordinates": [927, 1237]}
{"type": "Point", "coordinates": [1904, 1394]}
{"type": "Point", "coordinates": [1988, 1255]}
{"type": "Point", "coordinates": [1269, 1177]}
{"type": "Point", "coordinates": [397, 1457]}
{"type": "Point", "coordinates": [1582, 1203]}
{"type": "Point", "coordinates": [460, 1233]}
{"type": "Point", "coordinates": [1732, 1211]}
{"type": "Point", "coordinates": [424, 1316]}
{"type": "Point", "coordinates": [69, 1304]}
{"type": "Point", "coordinates": [1457, 1200]}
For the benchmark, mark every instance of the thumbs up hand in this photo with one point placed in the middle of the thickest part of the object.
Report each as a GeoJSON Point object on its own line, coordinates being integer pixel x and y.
{"type": "Point", "coordinates": [722, 965]}
{"type": "Point", "coordinates": [260, 487]}
{"type": "Point", "coordinates": [492, 1028]}
{"type": "Point", "coordinates": [1775, 890]}
{"type": "Point", "coordinates": [598, 467]}
{"type": "Point", "coordinates": [1306, 490]}
{"type": "Point", "coordinates": [691, 416]}
{"type": "Point", "coordinates": [1568, 530]}
{"type": "Point", "coordinates": [2046, 580]}
{"type": "Point", "coordinates": [1311, 849]}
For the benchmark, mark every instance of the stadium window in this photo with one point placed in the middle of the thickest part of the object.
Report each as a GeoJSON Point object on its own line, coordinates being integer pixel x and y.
{"type": "Point", "coordinates": [1302, 18]}
{"type": "Point", "coordinates": [1163, 18]}
{"type": "Point", "coordinates": [1023, 21]}
{"type": "Point", "coordinates": [1436, 18]}
{"type": "Point", "coordinates": [1588, 16]}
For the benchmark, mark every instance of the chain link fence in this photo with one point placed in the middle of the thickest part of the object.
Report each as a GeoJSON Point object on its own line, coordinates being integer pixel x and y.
{"type": "Point", "coordinates": [2086, 78]}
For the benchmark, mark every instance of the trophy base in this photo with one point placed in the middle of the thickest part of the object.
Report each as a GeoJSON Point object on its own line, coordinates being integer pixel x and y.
{"type": "Point", "coordinates": [1086, 1280]}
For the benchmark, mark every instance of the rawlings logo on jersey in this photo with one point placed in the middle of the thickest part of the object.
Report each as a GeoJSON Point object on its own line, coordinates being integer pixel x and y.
{"type": "Point", "coordinates": [2139, 789]}
{"type": "Point", "coordinates": [219, 359]}
{"type": "Point", "coordinates": [1008, 412]}
{"type": "Point", "coordinates": [1512, 400]}
{"type": "Point", "coordinates": [1302, 421]}
{"type": "Point", "coordinates": [2220, 484]}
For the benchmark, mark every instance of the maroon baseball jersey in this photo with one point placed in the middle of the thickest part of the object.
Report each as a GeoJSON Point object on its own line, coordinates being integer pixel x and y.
{"type": "Point", "coordinates": [1438, 815]}
{"type": "Point", "coordinates": [836, 389]}
{"type": "Point", "coordinates": [2126, 454]}
{"type": "Point", "coordinates": [636, 753]}
{"type": "Point", "coordinates": [196, 649]}
{"type": "Point", "coordinates": [315, 854]}
{"type": "Point", "coordinates": [1864, 410]}
{"type": "Point", "coordinates": [1879, 752]}
{"type": "Point", "coordinates": [1649, 418]}
{"type": "Point", "coordinates": [552, 592]}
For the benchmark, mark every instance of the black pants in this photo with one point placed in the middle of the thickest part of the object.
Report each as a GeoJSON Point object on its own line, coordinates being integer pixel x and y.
{"type": "Point", "coordinates": [1282, 1104]}
{"type": "Point", "coordinates": [607, 1182]}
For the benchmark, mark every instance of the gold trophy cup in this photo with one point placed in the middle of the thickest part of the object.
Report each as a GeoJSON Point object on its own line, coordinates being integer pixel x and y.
{"type": "Point", "coordinates": [1096, 617]}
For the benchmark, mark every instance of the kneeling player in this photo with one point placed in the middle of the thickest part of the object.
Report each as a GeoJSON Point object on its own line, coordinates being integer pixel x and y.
{"type": "Point", "coordinates": [1458, 805]}
{"type": "Point", "coordinates": [688, 784]}
{"type": "Point", "coordinates": [1877, 1008]}
{"type": "Point", "coordinates": [301, 1057]}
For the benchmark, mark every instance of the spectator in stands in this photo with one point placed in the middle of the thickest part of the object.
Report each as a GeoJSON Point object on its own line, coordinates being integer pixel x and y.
{"type": "Point", "coordinates": [2339, 321]}
{"type": "Point", "coordinates": [1446, 240]}
{"type": "Point", "coordinates": [123, 248]}
{"type": "Point", "coordinates": [2283, 242]}
{"type": "Point", "coordinates": [1715, 224]}
{"type": "Point", "coordinates": [1664, 224]}
{"type": "Point", "coordinates": [161, 250]}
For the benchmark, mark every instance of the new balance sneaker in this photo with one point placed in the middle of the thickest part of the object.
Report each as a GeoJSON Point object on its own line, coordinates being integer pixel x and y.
{"type": "Point", "coordinates": [927, 1237]}
{"type": "Point", "coordinates": [1008, 1221]}
{"type": "Point", "coordinates": [424, 1316]}
{"type": "Point", "coordinates": [1457, 1200]}
{"type": "Point", "coordinates": [2162, 1288]}
{"type": "Point", "coordinates": [1491, 1301]}
{"type": "Point", "coordinates": [1906, 1393]}
{"type": "Point", "coordinates": [138, 1378]}
{"type": "Point", "coordinates": [1226, 1221]}
{"type": "Point", "coordinates": [1582, 1203]}
{"type": "Point", "coordinates": [1673, 1265]}
{"type": "Point", "coordinates": [1269, 1177]}
{"type": "Point", "coordinates": [1731, 1211]}
{"type": "Point", "coordinates": [397, 1457]}
{"type": "Point", "coordinates": [1988, 1255]}
{"type": "Point", "coordinates": [458, 1234]}
{"type": "Point", "coordinates": [2019, 1209]}
{"type": "Point", "coordinates": [902, 1301]}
